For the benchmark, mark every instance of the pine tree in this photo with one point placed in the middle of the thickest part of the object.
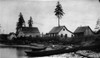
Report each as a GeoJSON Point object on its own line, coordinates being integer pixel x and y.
{"type": "Point", "coordinates": [59, 12]}
{"type": "Point", "coordinates": [21, 22]}
{"type": "Point", "coordinates": [30, 22]}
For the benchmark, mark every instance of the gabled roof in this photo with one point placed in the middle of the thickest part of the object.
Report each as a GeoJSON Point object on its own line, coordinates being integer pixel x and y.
{"type": "Point", "coordinates": [30, 30]}
{"type": "Point", "coordinates": [82, 29]}
{"type": "Point", "coordinates": [57, 29]}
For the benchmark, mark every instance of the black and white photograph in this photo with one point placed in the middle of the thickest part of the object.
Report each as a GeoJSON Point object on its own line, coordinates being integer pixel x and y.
{"type": "Point", "coordinates": [49, 28]}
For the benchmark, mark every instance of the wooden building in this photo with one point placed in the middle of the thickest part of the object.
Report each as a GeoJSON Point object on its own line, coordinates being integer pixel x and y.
{"type": "Point", "coordinates": [28, 31]}
{"type": "Point", "coordinates": [83, 31]}
{"type": "Point", "coordinates": [60, 31]}
{"type": "Point", "coordinates": [11, 36]}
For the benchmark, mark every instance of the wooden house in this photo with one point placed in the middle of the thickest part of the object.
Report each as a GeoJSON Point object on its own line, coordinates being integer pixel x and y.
{"type": "Point", "coordinates": [11, 35]}
{"type": "Point", "coordinates": [83, 31]}
{"type": "Point", "coordinates": [60, 31]}
{"type": "Point", "coordinates": [28, 31]}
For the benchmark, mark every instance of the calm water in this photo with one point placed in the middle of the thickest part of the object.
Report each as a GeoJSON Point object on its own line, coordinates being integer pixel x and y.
{"type": "Point", "coordinates": [12, 53]}
{"type": "Point", "coordinates": [6, 52]}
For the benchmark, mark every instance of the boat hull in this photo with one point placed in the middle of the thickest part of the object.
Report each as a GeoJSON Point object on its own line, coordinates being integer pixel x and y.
{"type": "Point", "coordinates": [39, 49]}
{"type": "Point", "coordinates": [44, 53]}
{"type": "Point", "coordinates": [61, 51]}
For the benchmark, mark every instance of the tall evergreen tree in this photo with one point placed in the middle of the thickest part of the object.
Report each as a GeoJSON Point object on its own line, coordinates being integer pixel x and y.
{"type": "Point", "coordinates": [21, 22]}
{"type": "Point", "coordinates": [59, 12]}
{"type": "Point", "coordinates": [30, 22]}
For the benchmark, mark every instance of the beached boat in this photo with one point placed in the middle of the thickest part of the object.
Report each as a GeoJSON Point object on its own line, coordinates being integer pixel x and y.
{"type": "Point", "coordinates": [61, 50]}
{"type": "Point", "coordinates": [45, 52]}
{"type": "Point", "coordinates": [38, 47]}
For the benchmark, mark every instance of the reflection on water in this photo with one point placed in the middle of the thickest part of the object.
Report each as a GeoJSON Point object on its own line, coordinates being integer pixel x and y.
{"type": "Point", "coordinates": [12, 53]}
{"type": "Point", "coordinates": [8, 53]}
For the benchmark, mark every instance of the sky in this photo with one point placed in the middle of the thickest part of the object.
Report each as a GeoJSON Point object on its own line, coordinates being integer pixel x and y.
{"type": "Point", "coordinates": [77, 13]}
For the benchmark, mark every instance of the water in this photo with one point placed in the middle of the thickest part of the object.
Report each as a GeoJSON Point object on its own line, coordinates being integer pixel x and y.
{"type": "Point", "coordinates": [8, 52]}
{"type": "Point", "coordinates": [12, 53]}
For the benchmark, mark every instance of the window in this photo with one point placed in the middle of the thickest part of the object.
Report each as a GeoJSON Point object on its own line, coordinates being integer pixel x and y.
{"type": "Point", "coordinates": [61, 35]}
{"type": "Point", "coordinates": [63, 29]}
{"type": "Point", "coordinates": [65, 35]}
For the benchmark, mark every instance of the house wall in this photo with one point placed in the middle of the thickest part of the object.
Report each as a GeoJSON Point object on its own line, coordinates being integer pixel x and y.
{"type": "Point", "coordinates": [88, 32]}
{"type": "Point", "coordinates": [79, 34]}
{"type": "Point", "coordinates": [32, 34]}
{"type": "Point", "coordinates": [10, 37]}
{"type": "Point", "coordinates": [28, 34]}
{"type": "Point", "coordinates": [20, 34]}
{"type": "Point", "coordinates": [65, 32]}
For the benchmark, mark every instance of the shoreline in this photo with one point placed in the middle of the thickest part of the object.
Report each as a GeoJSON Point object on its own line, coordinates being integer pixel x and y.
{"type": "Point", "coordinates": [17, 46]}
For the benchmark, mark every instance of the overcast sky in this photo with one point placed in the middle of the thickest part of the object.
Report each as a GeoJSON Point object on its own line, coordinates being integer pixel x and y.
{"type": "Point", "coordinates": [77, 13]}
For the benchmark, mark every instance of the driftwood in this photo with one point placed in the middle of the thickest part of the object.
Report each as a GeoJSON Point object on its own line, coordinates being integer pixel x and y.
{"type": "Point", "coordinates": [83, 55]}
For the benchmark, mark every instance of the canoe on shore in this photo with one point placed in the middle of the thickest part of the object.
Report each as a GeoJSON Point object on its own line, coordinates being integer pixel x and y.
{"type": "Point", "coordinates": [39, 48]}
{"type": "Point", "coordinates": [61, 51]}
{"type": "Point", "coordinates": [44, 52]}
